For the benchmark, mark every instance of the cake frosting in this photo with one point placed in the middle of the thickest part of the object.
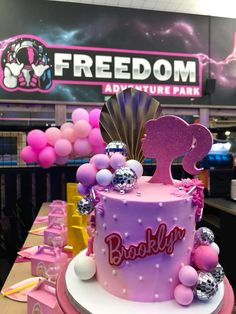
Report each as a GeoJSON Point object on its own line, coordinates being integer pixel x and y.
{"type": "Point", "coordinates": [142, 239]}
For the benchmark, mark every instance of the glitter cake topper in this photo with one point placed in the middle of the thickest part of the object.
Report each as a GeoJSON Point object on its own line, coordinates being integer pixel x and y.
{"type": "Point", "coordinates": [169, 137]}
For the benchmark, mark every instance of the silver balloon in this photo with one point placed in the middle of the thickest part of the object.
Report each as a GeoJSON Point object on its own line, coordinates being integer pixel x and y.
{"type": "Point", "coordinates": [85, 206]}
{"type": "Point", "coordinates": [218, 273]}
{"type": "Point", "coordinates": [124, 179]}
{"type": "Point", "coordinates": [206, 286]}
{"type": "Point", "coordinates": [203, 236]}
{"type": "Point", "coordinates": [116, 147]}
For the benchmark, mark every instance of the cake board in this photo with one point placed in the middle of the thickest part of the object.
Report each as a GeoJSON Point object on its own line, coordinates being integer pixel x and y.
{"type": "Point", "coordinates": [75, 296]}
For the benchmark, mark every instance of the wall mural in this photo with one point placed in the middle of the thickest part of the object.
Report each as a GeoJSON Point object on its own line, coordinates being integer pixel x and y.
{"type": "Point", "coordinates": [67, 51]}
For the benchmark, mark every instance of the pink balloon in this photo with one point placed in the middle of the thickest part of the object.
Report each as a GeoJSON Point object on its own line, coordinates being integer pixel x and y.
{"type": "Point", "coordinates": [61, 160]}
{"type": "Point", "coordinates": [94, 116]}
{"type": "Point", "coordinates": [69, 134]}
{"type": "Point", "coordinates": [53, 134]}
{"type": "Point", "coordinates": [82, 128]}
{"type": "Point", "coordinates": [28, 155]}
{"type": "Point", "coordinates": [67, 125]}
{"type": "Point", "coordinates": [99, 149]}
{"type": "Point", "coordinates": [37, 139]}
{"type": "Point", "coordinates": [205, 258]}
{"type": "Point", "coordinates": [95, 137]}
{"type": "Point", "coordinates": [47, 157]}
{"type": "Point", "coordinates": [82, 147]}
{"type": "Point", "coordinates": [80, 114]}
{"type": "Point", "coordinates": [63, 147]}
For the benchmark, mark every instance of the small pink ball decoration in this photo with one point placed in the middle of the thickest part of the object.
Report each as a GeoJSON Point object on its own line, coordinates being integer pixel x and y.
{"type": "Point", "coordinates": [82, 189]}
{"type": "Point", "coordinates": [47, 157]}
{"type": "Point", "coordinates": [82, 147]}
{"type": "Point", "coordinates": [82, 129]}
{"type": "Point", "coordinates": [188, 276]}
{"type": "Point", "coordinates": [183, 295]}
{"type": "Point", "coordinates": [99, 149]}
{"type": "Point", "coordinates": [67, 125]}
{"type": "Point", "coordinates": [37, 139]}
{"type": "Point", "coordinates": [100, 161]}
{"type": "Point", "coordinates": [86, 174]}
{"type": "Point", "coordinates": [205, 258]}
{"type": "Point", "coordinates": [80, 114]}
{"type": "Point", "coordinates": [28, 154]}
{"type": "Point", "coordinates": [53, 135]}
{"type": "Point", "coordinates": [94, 116]}
{"type": "Point", "coordinates": [61, 160]}
{"type": "Point", "coordinates": [104, 177]}
{"type": "Point", "coordinates": [95, 137]}
{"type": "Point", "coordinates": [63, 147]}
{"type": "Point", "coordinates": [117, 160]}
{"type": "Point", "coordinates": [69, 134]}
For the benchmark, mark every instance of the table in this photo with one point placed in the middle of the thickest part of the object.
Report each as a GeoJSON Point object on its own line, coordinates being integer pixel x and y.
{"type": "Point", "coordinates": [21, 271]}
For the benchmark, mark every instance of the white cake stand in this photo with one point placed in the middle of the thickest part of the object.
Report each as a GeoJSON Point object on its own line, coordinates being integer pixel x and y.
{"type": "Point", "coordinates": [90, 297]}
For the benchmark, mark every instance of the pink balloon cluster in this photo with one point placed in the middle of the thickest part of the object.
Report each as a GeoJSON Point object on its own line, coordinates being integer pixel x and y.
{"type": "Point", "coordinates": [79, 138]}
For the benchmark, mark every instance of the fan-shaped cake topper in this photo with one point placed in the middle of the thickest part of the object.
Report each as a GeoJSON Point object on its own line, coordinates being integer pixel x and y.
{"type": "Point", "coordinates": [123, 118]}
{"type": "Point", "coordinates": [169, 137]}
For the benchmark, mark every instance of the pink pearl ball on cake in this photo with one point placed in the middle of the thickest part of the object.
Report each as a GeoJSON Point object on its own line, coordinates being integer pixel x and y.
{"type": "Point", "coordinates": [100, 161]}
{"type": "Point", "coordinates": [94, 116]}
{"type": "Point", "coordinates": [79, 114]}
{"type": "Point", "coordinates": [104, 177]}
{"type": "Point", "coordinates": [188, 276]}
{"type": "Point", "coordinates": [205, 258]}
{"type": "Point", "coordinates": [183, 295]}
{"type": "Point", "coordinates": [117, 160]}
{"type": "Point", "coordinates": [86, 174]}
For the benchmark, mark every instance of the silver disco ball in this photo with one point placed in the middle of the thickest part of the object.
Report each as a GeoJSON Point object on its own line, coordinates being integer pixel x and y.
{"type": "Point", "coordinates": [116, 147]}
{"type": "Point", "coordinates": [124, 179]}
{"type": "Point", "coordinates": [206, 286]}
{"type": "Point", "coordinates": [218, 273]}
{"type": "Point", "coordinates": [85, 206]}
{"type": "Point", "coordinates": [203, 236]}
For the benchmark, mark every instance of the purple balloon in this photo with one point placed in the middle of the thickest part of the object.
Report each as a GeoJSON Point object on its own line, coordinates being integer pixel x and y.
{"type": "Point", "coordinates": [86, 174]}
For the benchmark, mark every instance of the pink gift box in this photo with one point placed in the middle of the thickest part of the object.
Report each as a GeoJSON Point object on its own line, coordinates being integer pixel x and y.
{"type": "Point", "coordinates": [57, 204]}
{"type": "Point", "coordinates": [55, 230]}
{"type": "Point", "coordinates": [57, 214]}
{"type": "Point", "coordinates": [42, 300]}
{"type": "Point", "coordinates": [44, 258]}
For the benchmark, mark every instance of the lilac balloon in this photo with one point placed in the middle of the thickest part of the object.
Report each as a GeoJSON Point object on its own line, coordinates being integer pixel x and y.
{"type": "Point", "coordinates": [94, 116]}
{"type": "Point", "coordinates": [82, 128]}
{"type": "Point", "coordinates": [53, 135]}
{"type": "Point", "coordinates": [37, 139]}
{"type": "Point", "coordinates": [82, 147]}
{"type": "Point", "coordinates": [67, 125]}
{"type": "Point", "coordinates": [82, 189]}
{"type": "Point", "coordinates": [47, 157]}
{"type": "Point", "coordinates": [28, 155]}
{"type": "Point", "coordinates": [117, 160]}
{"type": "Point", "coordinates": [100, 161]}
{"type": "Point", "coordinates": [61, 160]}
{"type": "Point", "coordinates": [95, 137]}
{"type": "Point", "coordinates": [63, 147]}
{"type": "Point", "coordinates": [80, 114]}
{"type": "Point", "coordinates": [86, 174]}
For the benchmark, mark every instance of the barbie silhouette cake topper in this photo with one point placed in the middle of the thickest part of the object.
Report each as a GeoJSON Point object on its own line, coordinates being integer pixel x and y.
{"type": "Point", "coordinates": [169, 137]}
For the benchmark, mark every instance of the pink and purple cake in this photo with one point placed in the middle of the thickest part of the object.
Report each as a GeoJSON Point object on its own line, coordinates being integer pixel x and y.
{"type": "Point", "coordinates": [144, 246]}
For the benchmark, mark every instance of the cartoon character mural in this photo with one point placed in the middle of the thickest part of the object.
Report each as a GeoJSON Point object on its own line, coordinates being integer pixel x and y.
{"type": "Point", "coordinates": [169, 137]}
{"type": "Point", "coordinates": [25, 65]}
